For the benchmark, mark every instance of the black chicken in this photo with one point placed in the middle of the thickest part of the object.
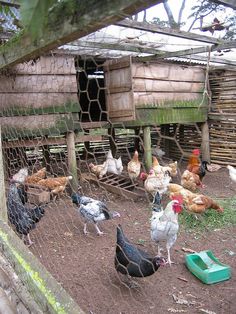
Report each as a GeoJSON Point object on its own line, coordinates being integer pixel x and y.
{"type": "Point", "coordinates": [133, 262]}
{"type": "Point", "coordinates": [24, 219]}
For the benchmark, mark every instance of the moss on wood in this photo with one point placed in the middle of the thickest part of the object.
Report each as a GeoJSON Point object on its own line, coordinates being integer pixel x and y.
{"type": "Point", "coordinates": [13, 111]}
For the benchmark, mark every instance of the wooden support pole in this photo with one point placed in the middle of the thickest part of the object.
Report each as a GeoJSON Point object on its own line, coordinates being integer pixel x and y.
{"type": "Point", "coordinates": [46, 157]}
{"type": "Point", "coordinates": [165, 130]}
{"type": "Point", "coordinates": [137, 139]}
{"type": "Point", "coordinates": [86, 146]}
{"type": "Point", "coordinates": [205, 147]}
{"type": "Point", "coordinates": [112, 136]}
{"type": "Point", "coordinates": [72, 164]}
{"type": "Point", "coordinates": [3, 206]}
{"type": "Point", "coordinates": [147, 147]}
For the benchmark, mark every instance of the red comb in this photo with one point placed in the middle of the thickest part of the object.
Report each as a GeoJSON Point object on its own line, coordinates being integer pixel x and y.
{"type": "Point", "coordinates": [196, 151]}
{"type": "Point", "coordinates": [178, 198]}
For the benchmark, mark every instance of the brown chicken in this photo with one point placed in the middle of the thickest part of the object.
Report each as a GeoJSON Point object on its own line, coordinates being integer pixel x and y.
{"type": "Point", "coordinates": [99, 170]}
{"type": "Point", "coordinates": [190, 180]}
{"type": "Point", "coordinates": [36, 177]}
{"type": "Point", "coordinates": [196, 203]}
{"type": "Point", "coordinates": [134, 167]}
{"type": "Point", "coordinates": [195, 165]}
{"type": "Point", "coordinates": [55, 185]}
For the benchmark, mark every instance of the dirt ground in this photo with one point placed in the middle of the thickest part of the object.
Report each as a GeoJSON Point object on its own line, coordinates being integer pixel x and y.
{"type": "Point", "coordinates": [84, 265]}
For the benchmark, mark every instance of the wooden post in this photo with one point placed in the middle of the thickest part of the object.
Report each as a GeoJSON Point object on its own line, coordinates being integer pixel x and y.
{"type": "Point", "coordinates": [86, 146]}
{"type": "Point", "coordinates": [46, 157]}
{"type": "Point", "coordinates": [72, 164]}
{"type": "Point", "coordinates": [137, 139]}
{"type": "Point", "coordinates": [165, 130]}
{"type": "Point", "coordinates": [205, 147]}
{"type": "Point", "coordinates": [112, 135]}
{"type": "Point", "coordinates": [3, 206]}
{"type": "Point", "coordinates": [147, 147]}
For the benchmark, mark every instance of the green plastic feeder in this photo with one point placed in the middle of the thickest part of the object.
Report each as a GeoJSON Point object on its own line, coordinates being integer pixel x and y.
{"type": "Point", "coordinates": [206, 267]}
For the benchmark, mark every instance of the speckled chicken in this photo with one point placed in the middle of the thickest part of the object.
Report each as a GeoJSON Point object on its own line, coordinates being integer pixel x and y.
{"type": "Point", "coordinates": [92, 211]}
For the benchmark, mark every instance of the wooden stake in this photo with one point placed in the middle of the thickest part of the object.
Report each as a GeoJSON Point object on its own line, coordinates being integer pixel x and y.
{"type": "Point", "coordinates": [205, 147]}
{"type": "Point", "coordinates": [147, 147]}
{"type": "Point", "coordinates": [112, 135]}
{"type": "Point", "coordinates": [72, 164]}
{"type": "Point", "coordinates": [46, 157]}
{"type": "Point", "coordinates": [137, 139]}
{"type": "Point", "coordinates": [3, 206]}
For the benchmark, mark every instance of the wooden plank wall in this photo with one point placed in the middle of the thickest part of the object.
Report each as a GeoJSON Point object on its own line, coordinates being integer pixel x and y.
{"type": "Point", "coordinates": [133, 85]}
{"type": "Point", "coordinates": [159, 83]}
{"type": "Point", "coordinates": [222, 117]}
{"type": "Point", "coordinates": [38, 94]}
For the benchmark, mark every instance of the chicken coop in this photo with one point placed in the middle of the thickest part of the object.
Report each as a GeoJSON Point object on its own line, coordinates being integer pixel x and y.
{"type": "Point", "coordinates": [97, 89]}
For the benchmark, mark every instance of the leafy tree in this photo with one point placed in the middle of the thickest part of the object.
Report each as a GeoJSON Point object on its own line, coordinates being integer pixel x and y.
{"type": "Point", "coordinates": [201, 10]}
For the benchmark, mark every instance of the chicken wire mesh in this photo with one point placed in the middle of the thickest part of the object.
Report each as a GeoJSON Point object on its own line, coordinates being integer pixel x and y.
{"type": "Point", "coordinates": [55, 108]}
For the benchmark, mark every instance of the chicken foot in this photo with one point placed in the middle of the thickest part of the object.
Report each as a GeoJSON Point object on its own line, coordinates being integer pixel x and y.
{"type": "Point", "coordinates": [127, 281]}
{"type": "Point", "coordinates": [30, 242]}
{"type": "Point", "coordinates": [99, 232]}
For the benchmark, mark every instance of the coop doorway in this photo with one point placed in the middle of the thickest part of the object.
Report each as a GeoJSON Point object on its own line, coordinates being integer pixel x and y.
{"type": "Point", "coordinates": [91, 90]}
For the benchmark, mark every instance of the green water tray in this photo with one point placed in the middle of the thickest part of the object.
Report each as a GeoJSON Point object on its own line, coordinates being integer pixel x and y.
{"type": "Point", "coordinates": [206, 267]}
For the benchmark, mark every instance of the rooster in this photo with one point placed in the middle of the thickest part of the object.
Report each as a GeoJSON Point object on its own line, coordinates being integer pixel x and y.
{"type": "Point", "coordinates": [134, 167]}
{"type": "Point", "coordinates": [24, 219]}
{"type": "Point", "coordinates": [164, 224]}
{"type": "Point", "coordinates": [232, 173]}
{"type": "Point", "coordinates": [92, 211]}
{"type": "Point", "coordinates": [132, 261]}
{"type": "Point", "coordinates": [195, 203]}
{"type": "Point", "coordinates": [195, 165]}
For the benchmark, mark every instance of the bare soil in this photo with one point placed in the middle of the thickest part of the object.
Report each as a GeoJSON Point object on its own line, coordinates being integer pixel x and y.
{"type": "Point", "coordinates": [84, 265]}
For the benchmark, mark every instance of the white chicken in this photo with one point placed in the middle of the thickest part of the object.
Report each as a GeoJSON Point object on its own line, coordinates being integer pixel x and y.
{"type": "Point", "coordinates": [20, 176]}
{"type": "Point", "coordinates": [164, 224]}
{"type": "Point", "coordinates": [114, 165]}
{"type": "Point", "coordinates": [232, 173]}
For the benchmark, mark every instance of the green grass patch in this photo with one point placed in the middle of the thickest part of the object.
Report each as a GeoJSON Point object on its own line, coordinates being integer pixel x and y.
{"type": "Point", "coordinates": [211, 219]}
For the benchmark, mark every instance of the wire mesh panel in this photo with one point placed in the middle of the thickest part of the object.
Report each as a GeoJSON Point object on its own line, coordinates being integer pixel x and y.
{"type": "Point", "coordinates": [89, 136]}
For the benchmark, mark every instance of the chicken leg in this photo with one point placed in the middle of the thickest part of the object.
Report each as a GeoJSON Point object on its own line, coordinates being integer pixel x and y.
{"type": "Point", "coordinates": [99, 232]}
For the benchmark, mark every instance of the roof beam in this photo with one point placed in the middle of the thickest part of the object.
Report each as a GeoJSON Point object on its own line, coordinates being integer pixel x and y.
{"type": "Point", "coordinates": [86, 16]}
{"type": "Point", "coordinates": [191, 51]}
{"type": "Point", "coordinates": [154, 28]}
{"type": "Point", "coordinates": [117, 46]}
{"type": "Point", "coordinates": [214, 60]}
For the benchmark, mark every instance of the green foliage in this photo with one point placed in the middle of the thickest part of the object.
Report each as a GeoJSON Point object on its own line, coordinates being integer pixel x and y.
{"type": "Point", "coordinates": [211, 219]}
{"type": "Point", "coordinates": [34, 15]}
